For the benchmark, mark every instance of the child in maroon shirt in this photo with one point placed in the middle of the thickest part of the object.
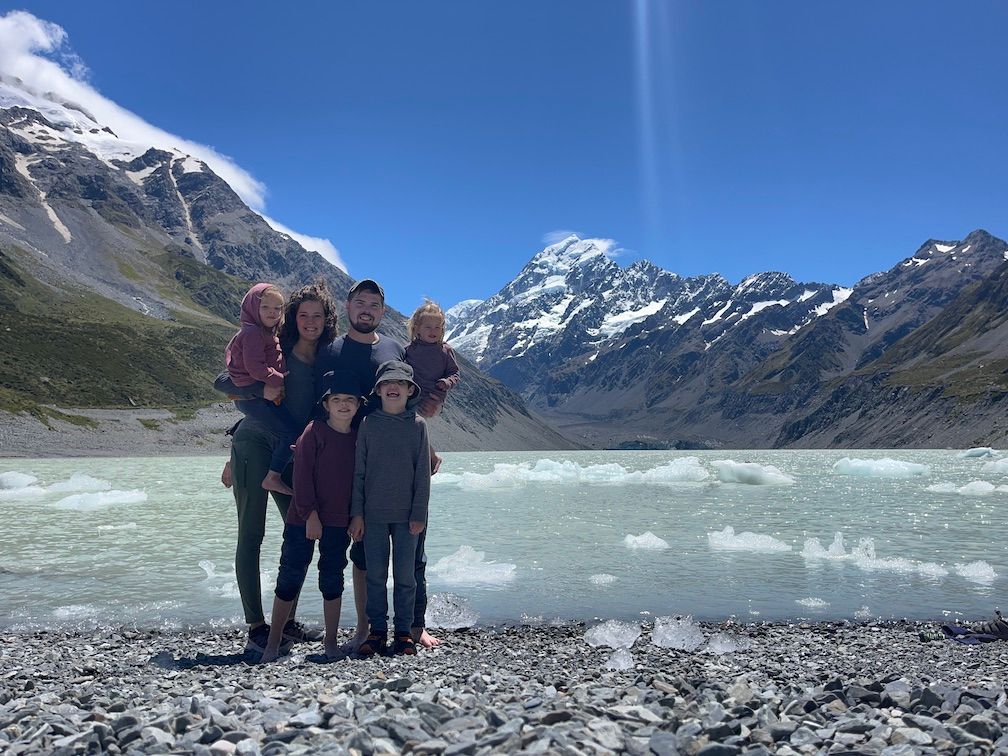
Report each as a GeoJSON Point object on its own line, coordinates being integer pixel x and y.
{"type": "Point", "coordinates": [433, 361]}
{"type": "Point", "coordinates": [320, 511]}
{"type": "Point", "coordinates": [254, 355]}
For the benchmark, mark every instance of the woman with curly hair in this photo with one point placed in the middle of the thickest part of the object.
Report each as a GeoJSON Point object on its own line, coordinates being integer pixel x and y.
{"type": "Point", "coordinates": [309, 325]}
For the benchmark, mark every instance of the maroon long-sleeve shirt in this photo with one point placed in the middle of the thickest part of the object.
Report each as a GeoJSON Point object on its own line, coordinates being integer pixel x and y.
{"type": "Point", "coordinates": [323, 475]}
{"type": "Point", "coordinates": [431, 363]}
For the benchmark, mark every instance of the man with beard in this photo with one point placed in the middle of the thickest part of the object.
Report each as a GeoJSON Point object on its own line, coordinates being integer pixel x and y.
{"type": "Point", "coordinates": [361, 351]}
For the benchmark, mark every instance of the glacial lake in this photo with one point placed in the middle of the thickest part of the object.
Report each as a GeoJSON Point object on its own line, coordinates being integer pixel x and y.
{"type": "Point", "coordinates": [539, 536]}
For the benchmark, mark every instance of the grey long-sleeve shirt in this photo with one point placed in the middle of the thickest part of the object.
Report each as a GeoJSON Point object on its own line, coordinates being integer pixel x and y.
{"type": "Point", "coordinates": [392, 470]}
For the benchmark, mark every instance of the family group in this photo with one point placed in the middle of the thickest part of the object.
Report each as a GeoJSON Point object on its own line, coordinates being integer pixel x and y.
{"type": "Point", "coordinates": [334, 430]}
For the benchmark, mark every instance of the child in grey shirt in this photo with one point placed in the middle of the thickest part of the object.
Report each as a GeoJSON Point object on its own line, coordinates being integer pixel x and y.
{"type": "Point", "coordinates": [389, 505]}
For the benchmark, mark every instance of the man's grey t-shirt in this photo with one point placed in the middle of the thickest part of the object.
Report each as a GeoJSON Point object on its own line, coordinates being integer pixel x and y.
{"type": "Point", "coordinates": [361, 359]}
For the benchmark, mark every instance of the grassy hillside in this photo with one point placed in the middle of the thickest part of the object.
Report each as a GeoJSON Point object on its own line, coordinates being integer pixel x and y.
{"type": "Point", "coordinates": [72, 347]}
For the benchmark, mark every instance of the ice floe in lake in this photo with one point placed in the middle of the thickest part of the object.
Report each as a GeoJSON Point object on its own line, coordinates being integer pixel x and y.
{"type": "Point", "coordinates": [225, 584]}
{"type": "Point", "coordinates": [602, 578]}
{"type": "Point", "coordinates": [14, 479]}
{"type": "Point", "coordinates": [450, 612]}
{"type": "Point", "coordinates": [998, 466]}
{"type": "Point", "coordinates": [973, 488]}
{"type": "Point", "coordinates": [864, 557]}
{"type": "Point", "coordinates": [621, 659]}
{"type": "Point", "coordinates": [677, 632]}
{"type": "Point", "coordinates": [880, 468]}
{"type": "Point", "coordinates": [90, 502]}
{"type": "Point", "coordinates": [977, 572]}
{"type": "Point", "coordinates": [812, 602]}
{"type": "Point", "coordinates": [750, 473]}
{"type": "Point", "coordinates": [566, 472]}
{"type": "Point", "coordinates": [78, 482]}
{"type": "Point", "coordinates": [470, 567]}
{"type": "Point", "coordinates": [979, 451]}
{"type": "Point", "coordinates": [646, 540]}
{"type": "Point", "coordinates": [113, 528]}
{"type": "Point", "coordinates": [728, 540]}
{"type": "Point", "coordinates": [613, 633]}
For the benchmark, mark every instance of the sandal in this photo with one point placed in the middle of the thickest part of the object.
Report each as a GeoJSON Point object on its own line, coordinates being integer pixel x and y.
{"type": "Point", "coordinates": [404, 645]}
{"type": "Point", "coordinates": [375, 644]}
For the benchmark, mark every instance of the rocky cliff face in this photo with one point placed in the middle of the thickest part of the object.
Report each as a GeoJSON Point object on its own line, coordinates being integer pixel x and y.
{"type": "Point", "coordinates": [128, 263]}
{"type": "Point", "coordinates": [639, 356]}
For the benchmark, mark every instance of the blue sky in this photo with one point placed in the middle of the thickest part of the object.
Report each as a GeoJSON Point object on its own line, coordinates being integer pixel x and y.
{"type": "Point", "coordinates": [438, 144]}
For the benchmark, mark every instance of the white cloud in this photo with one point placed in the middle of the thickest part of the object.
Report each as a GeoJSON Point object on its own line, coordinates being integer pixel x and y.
{"type": "Point", "coordinates": [38, 53]}
{"type": "Point", "coordinates": [314, 243]}
{"type": "Point", "coordinates": [554, 237]}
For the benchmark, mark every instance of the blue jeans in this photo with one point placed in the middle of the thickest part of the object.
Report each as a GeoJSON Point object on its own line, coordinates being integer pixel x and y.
{"type": "Point", "coordinates": [296, 554]}
{"type": "Point", "coordinates": [359, 558]}
{"type": "Point", "coordinates": [279, 422]}
{"type": "Point", "coordinates": [378, 538]}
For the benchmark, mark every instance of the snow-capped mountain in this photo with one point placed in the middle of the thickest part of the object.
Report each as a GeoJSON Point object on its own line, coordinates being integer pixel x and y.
{"type": "Point", "coordinates": [89, 220]}
{"type": "Point", "coordinates": [640, 355]}
{"type": "Point", "coordinates": [572, 302]}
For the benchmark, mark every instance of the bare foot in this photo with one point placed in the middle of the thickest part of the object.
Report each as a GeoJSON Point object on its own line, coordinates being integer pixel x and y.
{"type": "Point", "coordinates": [351, 646]}
{"type": "Point", "coordinates": [225, 476]}
{"type": "Point", "coordinates": [425, 639]}
{"type": "Point", "coordinates": [270, 654]}
{"type": "Point", "coordinates": [272, 482]}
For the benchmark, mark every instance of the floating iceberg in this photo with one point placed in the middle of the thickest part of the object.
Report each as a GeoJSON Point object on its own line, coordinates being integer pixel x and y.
{"type": "Point", "coordinates": [90, 502]}
{"type": "Point", "coordinates": [864, 557]}
{"type": "Point", "coordinates": [602, 578]}
{"type": "Point", "coordinates": [81, 483]}
{"type": "Point", "coordinates": [979, 451]}
{"type": "Point", "coordinates": [13, 479]}
{"type": "Point", "coordinates": [470, 567]}
{"type": "Point", "coordinates": [977, 572]}
{"type": "Point", "coordinates": [880, 468]}
{"type": "Point", "coordinates": [566, 472]}
{"type": "Point", "coordinates": [745, 541]}
{"type": "Point", "coordinates": [998, 467]}
{"type": "Point", "coordinates": [750, 473]}
{"type": "Point", "coordinates": [646, 540]}
{"type": "Point", "coordinates": [973, 488]}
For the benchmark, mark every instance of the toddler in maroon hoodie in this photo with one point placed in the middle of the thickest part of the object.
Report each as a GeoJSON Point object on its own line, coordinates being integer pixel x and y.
{"type": "Point", "coordinates": [254, 354]}
{"type": "Point", "coordinates": [433, 361]}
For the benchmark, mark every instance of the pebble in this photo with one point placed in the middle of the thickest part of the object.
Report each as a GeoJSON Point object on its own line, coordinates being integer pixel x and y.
{"type": "Point", "coordinates": [831, 687]}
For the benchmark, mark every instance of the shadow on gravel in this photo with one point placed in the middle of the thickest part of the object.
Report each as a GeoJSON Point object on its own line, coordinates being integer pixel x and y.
{"type": "Point", "coordinates": [167, 660]}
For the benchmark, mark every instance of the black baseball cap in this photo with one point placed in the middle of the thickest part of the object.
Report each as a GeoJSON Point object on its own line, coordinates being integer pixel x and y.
{"type": "Point", "coordinates": [366, 284]}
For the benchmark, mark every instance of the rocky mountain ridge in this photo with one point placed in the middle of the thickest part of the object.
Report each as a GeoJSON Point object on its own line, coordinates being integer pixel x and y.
{"type": "Point", "coordinates": [122, 267]}
{"type": "Point", "coordinates": [639, 356]}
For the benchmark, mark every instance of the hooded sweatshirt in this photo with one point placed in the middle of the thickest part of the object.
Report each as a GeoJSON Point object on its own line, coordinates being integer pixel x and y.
{"type": "Point", "coordinates": [392, 469]}
{"type": "Point", "coordinates": [253, 354]}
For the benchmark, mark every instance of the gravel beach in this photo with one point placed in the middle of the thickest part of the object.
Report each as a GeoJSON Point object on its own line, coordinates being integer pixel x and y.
{"type": "Point", "coordinates": [767, 688]}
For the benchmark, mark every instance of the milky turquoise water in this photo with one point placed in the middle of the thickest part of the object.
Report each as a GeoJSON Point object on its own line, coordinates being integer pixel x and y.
{"type": "Point", "coordinates": [538, 536]}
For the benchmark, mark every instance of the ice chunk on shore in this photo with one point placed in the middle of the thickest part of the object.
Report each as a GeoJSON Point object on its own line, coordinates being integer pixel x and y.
{"type": "Point", "coordinates": [90, 502]}
{"type": "Point", "coordinates": [973, 488]}
{"type": "Point", "coordinates": [750, 473]}
{"type": "Point", "coordinates": [880, 468]}
{"type": "Point", "coordinates": [470, 567]}
{"type": "Point", "coordinates": [448, 611]}
{"type": "Point", "coordinates": [998, 466]}
{"type": "Point", "coordinates": [602, 578]}
{"type": "Point", "coordinates": [614, 634]}
{"type": "Point", "coordinates": [79, 482]}
{"type": "Point", "coordinates": [978, 451]}
{"type": "Point", "coordinates": [727, 643]}
{"type": "Point", "coordinates": [677, 632]}
{"type": "Point", "coordinates": [812, 602]}
{"type": "Point", "coordinates": [14, 479]}
{"type": "Point", "coordinates": [646, 540]}
{"type": "Point", "coordinates": [745, 541]}
{"type": "Point", "coordinates": [977, 572]}
{"type": "Point", "coordinates": [621, 659]}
